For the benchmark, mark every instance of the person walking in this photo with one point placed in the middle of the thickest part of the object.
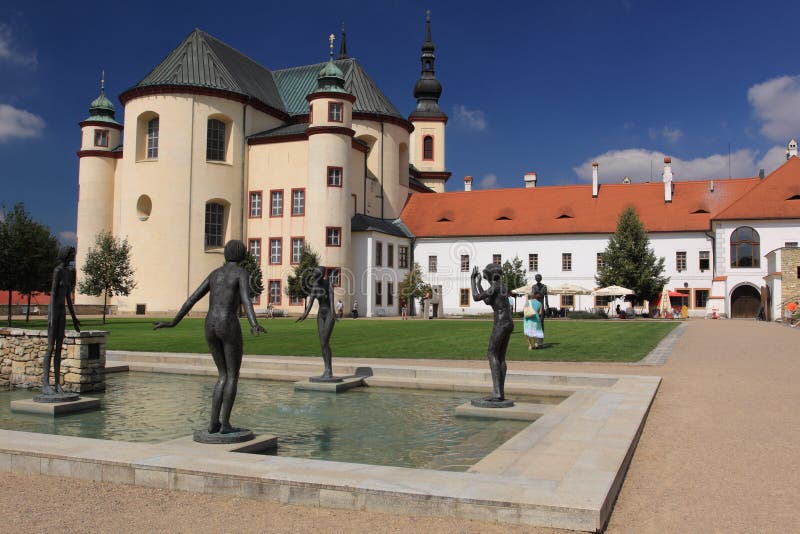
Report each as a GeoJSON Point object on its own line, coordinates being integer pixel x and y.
{"type": "Point", "coordinates": [339, 309]}
{"type": "Point", "coordinates": [532, 322]}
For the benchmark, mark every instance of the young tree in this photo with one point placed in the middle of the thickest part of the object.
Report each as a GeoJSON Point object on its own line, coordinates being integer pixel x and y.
{"type": "Point", "coordinates": [107, 270]}
{"type": "Point", "coordinates": [254, 275]}
{"type": "Point", "coordinates": [513, 276]}
{"type": "Point", "coordinates": [629, 261]}
{"type": "Point", "coordinates": [299, 285]}
{"type": "Point", "coordinates": [413, 287]}
{"type": "Point", "coordinates": [27, 254]}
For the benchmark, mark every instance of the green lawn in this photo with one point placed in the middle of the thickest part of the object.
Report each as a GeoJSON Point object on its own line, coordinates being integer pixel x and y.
{"type": "Point", "coordinates": [623, 341]}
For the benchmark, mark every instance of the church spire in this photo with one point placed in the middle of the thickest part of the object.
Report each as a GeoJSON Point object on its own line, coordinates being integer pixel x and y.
{"type": "Point", "coordinates": [343, 46]}
{"type": "Point", "coordinates": [427, 90]}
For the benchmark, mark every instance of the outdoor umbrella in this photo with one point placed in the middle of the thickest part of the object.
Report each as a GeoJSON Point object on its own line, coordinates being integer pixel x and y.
{"type": "Point", "coordinates": [568, 289]}
{"type": "Point", "coordinates": [520, 291]}
{"type": "Point", "coordinates": [612, 291]}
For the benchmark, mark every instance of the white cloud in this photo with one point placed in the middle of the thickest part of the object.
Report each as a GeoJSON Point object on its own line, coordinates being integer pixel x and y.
{"type": "Point", "coordinates": [68, 237]}
{"type": "Point", "coordinates": [472, 119]}
{"type": "Point", "coordinates": [773, 158]}
{"type": "Point", "coordinates": [8, 53]}
{"type": "Point", "coordinates": [672, 135]}
{"type": "Point", "coordinates": [488, 182]}
{"type": "Point", "coordinates": [18, 123]}
{"type": "Point", "coordinates": [636, 164]}
{"type": "Point", "coordinates": [777, 103]}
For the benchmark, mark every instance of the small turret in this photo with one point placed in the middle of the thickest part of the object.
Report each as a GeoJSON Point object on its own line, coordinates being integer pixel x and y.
{"type": "Point", "coordinates": [427, 90]}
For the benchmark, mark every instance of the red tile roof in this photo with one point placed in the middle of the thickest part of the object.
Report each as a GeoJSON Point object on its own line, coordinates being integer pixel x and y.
{"type": "Point", "coordinates": [571, 209]}
{"type": "Point", "coordinates": [776, 197]}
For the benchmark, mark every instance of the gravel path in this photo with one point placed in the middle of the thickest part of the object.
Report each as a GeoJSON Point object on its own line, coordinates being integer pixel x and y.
{"type": "Point", "coordinates": [718, 454]}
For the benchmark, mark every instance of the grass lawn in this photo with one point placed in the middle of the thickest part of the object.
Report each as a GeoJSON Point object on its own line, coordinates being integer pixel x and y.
{"type": "Point", "coordinates": [621, 341]}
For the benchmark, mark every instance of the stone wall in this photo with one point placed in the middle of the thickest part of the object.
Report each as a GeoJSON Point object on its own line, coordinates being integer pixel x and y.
{"type": "Point", "coordinates": [41, 309]}
{"type": "Point", "coordinates": [790, 281]}
{"type": "Point", "coordinates": [83, 359]}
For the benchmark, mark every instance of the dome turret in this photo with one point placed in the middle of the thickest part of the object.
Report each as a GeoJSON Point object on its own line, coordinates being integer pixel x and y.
{"type": "Point", "coordinates": [331, 78]}
{"type": "Point", "coordinates": [427, 90]}
{"type": "Point", "coordinates": [101, 108]}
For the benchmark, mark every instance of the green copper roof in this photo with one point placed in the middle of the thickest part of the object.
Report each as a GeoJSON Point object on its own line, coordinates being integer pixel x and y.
{"type": "Point", "coordinates": [101, 102]}
{"type": "Point", "coordinates": [331, 78]}
{"type": "Point", "coordinates": [102, 110]}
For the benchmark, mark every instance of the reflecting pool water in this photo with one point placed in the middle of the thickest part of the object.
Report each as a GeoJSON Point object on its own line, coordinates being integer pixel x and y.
{"type": "Point", "coordinates": [381, 426]}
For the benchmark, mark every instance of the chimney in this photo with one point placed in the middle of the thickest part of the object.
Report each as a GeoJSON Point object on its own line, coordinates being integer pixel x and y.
{"type": "Point", "coordinates": [791, 149]}
{"type": "Point", "coordinates": [711, 186]}
{"type": "Point", "coordinates": [530, 180]}
{"type": "Point", "coordinates": [595, 185]}
{"type": "Point", "coordinates": [667, 177]}
{"type": "Point", "coordinates": [468, 183]}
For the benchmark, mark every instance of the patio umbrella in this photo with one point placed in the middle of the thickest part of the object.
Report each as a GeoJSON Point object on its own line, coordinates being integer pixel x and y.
{"type": "Point", "coordinates": [612, 291]}
{"type": "Point", "coordinates": [568, 289]}
{"type": "Point", "coordinates": [520, 291]}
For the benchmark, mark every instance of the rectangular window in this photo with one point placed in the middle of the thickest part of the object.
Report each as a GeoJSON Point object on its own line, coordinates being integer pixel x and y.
{"type": "Point", "coordinates": [256, 300]}
{"type": "Point", "coordinates": [378, 293]}
{"type": "Point", "coordinates": [390, 255]}
{"type": "Point", "coordinates": [601, 262]}
{"type": "Point", "coordinates": [389, 294]}
{"type": "Point", "coordinates": [275, 292]}
{"type": "Point", "coordinates": [533, 262]}
{"type": "Point", "coordinates": [254, 245]}
{"type": "Point", "coordinates": [298, 202]}
{"type": "Point", "coordinates": [465, 263]}
{"type": "Point", "coordinates": [310, 113]}
{"type": "Point", "coordinates": [602, 301]}
{"type": "Point", "coordinates": [276, 203]}
{"type": "Point", "coordinates": [402, 257]}
{"type": "Point", "coordinates": [567, 301]}
{"type": "Point", "coordinates": [334, 276]}
{"type": "Point", "coordinates": [790, 244]}
{"type": "Point", "coordinates": [334, 177]}
{"type": "Point", "coordinates": [705, 260]}
{"type": "Point", "coordinates": [297, 249]}
{"type": "Point", "coordinates": [152, 138]}
{"type": "Point", "coordinates": [680, 261]}
{"type": "Point", "coordinates": [378, 254]}
{"type": "Point", "coordinates": [685, 299]}
{"type": "Point", "coordinates": [215, 219]}
{"type": "Point", "coordinates": [334, 112]}
{"type": "Point", "coordinates": [427, 148]}
{"type": "Point", "coordinates": [566, 261]}
{"type": "Point", "coordinates": [255, 204]}
{"type": "Point", "coordinates": [215, 140]}
{"type": "Point", "coordinates": [700, 298]}
{"type": "Point", "coordinates": [464, 297]}
{"type": "Point", "coordinates": [333, 236]}
{"type": "Point", "coordinates": [275, 248]}
{"type": "Point", "coordinates": [101, 138]}
{"type": "Point", "coordinates": [432, 264]}
{"type": "Point", "coordinates": [295, 301]}
{"type": "Point", "coordinates": [497, 258]}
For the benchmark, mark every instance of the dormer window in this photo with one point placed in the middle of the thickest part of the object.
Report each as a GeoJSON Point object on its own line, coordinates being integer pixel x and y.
{"type": "Point", "coordinates": [334, 112]}
{"type": "Point", "coordinates": [101, 138]}
{"type": "Point", "coordinates": [444, 219]}
{"type": "Point", "coordinates": [699, 211]}
{"type": "Point", "coordinates": [794, 197]}
{"type": "Point", "coordinates": [564, 216]}
{"type": "Point", "coordinates": [503, 218]}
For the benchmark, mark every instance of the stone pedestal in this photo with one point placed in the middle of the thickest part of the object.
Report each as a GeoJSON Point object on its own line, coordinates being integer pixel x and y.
{"type": "Point", "coordinates": [260, 444]}
{"type": "Point", "coordinates": [54, 409]}
{"type": "Point", "coordinates": [204, 436]}
{"type": "Point", "coordinates": [344, 384]}
{"type": "Point", "coordinates": [520, 411]}
{"type": "Point", "coordinates": [489, 402]}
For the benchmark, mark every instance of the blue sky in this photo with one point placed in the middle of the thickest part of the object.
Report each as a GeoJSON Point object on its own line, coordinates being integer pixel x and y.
{"type": "Point", "coordinates": [529, 86]}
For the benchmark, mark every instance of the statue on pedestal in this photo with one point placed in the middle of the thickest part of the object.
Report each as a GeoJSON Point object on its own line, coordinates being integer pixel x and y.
{"type": "Point", "coordinates": [229, 288]}
{"type": "Point", "coordinates": [495, 296]}
{"type": "Point", "coordinates": [60, 291]}
{"type": "Point", "coordinates": [540, 288]}
{"type": "Point", "coordinates": [322, 292]}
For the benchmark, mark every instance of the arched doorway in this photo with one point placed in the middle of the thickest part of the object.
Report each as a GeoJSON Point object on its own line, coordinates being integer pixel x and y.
{"type": "Point", "coordinates": [745, 301]}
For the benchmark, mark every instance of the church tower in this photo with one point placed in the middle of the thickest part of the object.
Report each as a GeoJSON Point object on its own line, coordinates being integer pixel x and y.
{"type": "Point", "coordinates": [329, 185]}
{"type": "Point", "coordinates": [427, 141]}
{"type": "Point", "coordinates": [98, 156]}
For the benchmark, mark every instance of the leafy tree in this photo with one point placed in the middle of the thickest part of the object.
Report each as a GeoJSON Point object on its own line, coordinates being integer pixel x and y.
{"type": "Point", "coordinates": [298, 286]}
{"type": "Point", "coordinates": [629, 261]}
{"type": "Point", "coordinates": [107, 269]}
{"type": "Point", "coordinates": [250, 264]}
{"type": "Point", "coordinates": [413, 287]}
{"type": "Point", "coordinates": [27, 254]}
{"type": "Point", "coordinates": [513, 276]}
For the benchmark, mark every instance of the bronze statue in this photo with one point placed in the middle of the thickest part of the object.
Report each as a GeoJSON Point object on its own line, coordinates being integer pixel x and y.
{"type": "Point", "coordinates": [540, 288]}
{"type": "Point", "coordinates": [229, 289]}
{"type": "Point", "coordinates": [495, 296]}
{"type": "Point", "coordinates": [60, 291]}
{"type": "Point", "coordinates": [322, 292]}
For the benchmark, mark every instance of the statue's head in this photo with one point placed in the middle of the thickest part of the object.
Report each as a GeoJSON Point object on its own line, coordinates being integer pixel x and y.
{"type": "Point", "coordinates": [493, 272]}
{"type": "Point", "coordinates": [235, 251]}
{"type": "Point", "coordinates": [538, 278]}
{"type": "Point", "coordinates": [318, 273]}
{"type": "Point", "coordinates": [66, 254]}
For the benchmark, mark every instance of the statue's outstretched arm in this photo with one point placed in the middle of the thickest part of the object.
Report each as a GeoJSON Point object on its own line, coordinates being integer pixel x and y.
{"type": "Point", "coordinates": [199, 293]}
{"type": "Point", "coordinates": [309, 303]}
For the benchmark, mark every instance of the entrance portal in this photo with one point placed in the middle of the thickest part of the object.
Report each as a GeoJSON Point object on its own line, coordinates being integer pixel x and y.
{"type": "Point", "coordinates": [745, 301]}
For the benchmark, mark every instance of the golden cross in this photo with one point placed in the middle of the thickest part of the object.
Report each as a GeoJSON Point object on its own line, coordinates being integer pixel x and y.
{"type": "Point", "coordinates": [331, 39]}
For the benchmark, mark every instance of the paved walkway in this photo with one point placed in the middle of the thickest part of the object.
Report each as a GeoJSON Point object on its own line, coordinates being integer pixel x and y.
{"type": "Point", "coordinates": [718, 454]}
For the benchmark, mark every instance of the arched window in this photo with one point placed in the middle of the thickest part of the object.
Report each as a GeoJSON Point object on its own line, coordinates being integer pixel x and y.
{"type": "Point", "coordinates": [152, 138]}
{"type": "Point", "coordinates": [215, 224]}
{"type": "Point", "coordinates": [427, 147]}
{"type": "Point", "coordinates": [745, 247]}
{"type": "Point", "coordinates": [215, 140]}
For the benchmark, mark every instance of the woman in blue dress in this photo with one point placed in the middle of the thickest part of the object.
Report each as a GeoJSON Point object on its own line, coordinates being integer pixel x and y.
{"type": "Point", "coordinates": [532, 322]}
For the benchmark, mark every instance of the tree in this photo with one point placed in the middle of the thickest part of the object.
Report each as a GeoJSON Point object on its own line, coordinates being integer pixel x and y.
{"type": "Point", "coordinates": [513, 276]}
{"type": "Point", "coordinates": [413, 287]}
{"type": "Point", "coordinates": [299, 286]}
{"type": "Point", "coordinates": [255, 277]}
{"type": "Point", "coordinates": [107, 269]}
{"type": "Point", "coordinates": [629, 261]}
{"type": "Point", "coordinates": [27, 254]}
